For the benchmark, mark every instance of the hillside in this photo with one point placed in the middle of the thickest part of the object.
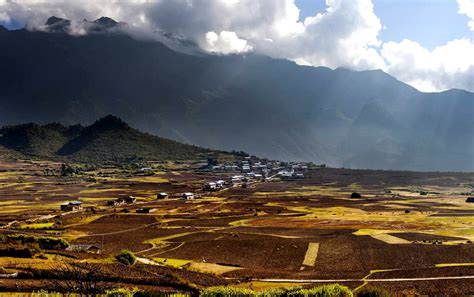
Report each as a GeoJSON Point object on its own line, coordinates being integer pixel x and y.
{"type": "Point", "coordinates": [107, 140]}
{"type": "Point", "coordinates": [267, 107]}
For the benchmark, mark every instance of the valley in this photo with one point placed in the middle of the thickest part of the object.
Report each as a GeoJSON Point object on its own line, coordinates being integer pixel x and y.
{"type": "Point", "coordinates": [408, 232]}
{"type": "Point", "coordinates": [249, 148]}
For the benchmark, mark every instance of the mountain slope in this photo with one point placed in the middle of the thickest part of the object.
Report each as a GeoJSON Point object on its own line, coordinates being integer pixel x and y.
{"type": "Point", "coordinates": [268, 107]}
{"type": "Point", "coordinates": [108, 139]}
{"type": "Point", "coordinates": [32, 139]}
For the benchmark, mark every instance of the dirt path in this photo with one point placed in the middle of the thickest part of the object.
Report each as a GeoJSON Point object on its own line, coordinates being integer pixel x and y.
{"type": "Point", "coordinates": [311, 254]}
{"type": "Point", "coordinates": [89, 235]}
{"type": "Point", "coordinates": [276, 280]}
{"type": "Point", "coordinates": [147, 261]}
{"type": "Point", "coordinates": [40, 218]}
{"type": "Point", "coordinates": [8, 225]}
{"type": "Point", "coordinates": [36, 219]}
{"type": "Point", "coordinates": [122, 231]}
{"type": "Point", "coordinates": [169, 250]}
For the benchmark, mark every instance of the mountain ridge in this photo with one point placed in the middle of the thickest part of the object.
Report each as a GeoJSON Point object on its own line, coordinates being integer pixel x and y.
{"type": "Point", "coordinates": [109, 139]}
{"type": "Point", "coordinates": [268, 107]}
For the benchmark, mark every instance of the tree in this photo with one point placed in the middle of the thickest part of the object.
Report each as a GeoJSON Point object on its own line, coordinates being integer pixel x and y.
{"type": "Point", "coordinates": [126, 257]}
{"type": "Point", "coordinates": [67, 170]}
{"type": "Point", "coordinates": [356, 195]}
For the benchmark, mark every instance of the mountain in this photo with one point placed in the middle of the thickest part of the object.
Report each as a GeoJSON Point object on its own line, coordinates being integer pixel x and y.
{"type": "Point", "coordinates": [55, 24]}
{"type": "Point", "coordinates": [108, 139]}
{"type": "Point", "coordinates": [101, 25]}
{"type": "Point", "coordinates": [268, 107]}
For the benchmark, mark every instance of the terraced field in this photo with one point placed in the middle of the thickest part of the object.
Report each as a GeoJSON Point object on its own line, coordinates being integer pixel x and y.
{"type": "Point", "coordinates": [405, 225]}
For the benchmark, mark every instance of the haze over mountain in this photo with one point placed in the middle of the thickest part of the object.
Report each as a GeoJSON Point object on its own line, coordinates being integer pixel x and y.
{"type": "Point", "coordinates": [268, 107]}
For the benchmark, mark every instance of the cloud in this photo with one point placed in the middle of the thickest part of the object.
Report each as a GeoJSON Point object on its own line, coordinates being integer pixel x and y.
{"type": "Point", "coordinates": [226, 42]}
{"type": "Point", "coordinates": [447, 66]}
{"type": "Point", "coordinates": [347, 24]}
{"type": "Point", "coordinates": [466, 7]}
{"type": "Point", "coordinates": [35, 12]}
{"type": "Point", "coordinates": [346, 34]}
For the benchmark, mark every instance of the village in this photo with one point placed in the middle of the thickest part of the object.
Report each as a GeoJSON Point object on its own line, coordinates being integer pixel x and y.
{"type": "Point", "coordinates": [253, 170]}
{"type": "Point", "coordinates": [243, 173]}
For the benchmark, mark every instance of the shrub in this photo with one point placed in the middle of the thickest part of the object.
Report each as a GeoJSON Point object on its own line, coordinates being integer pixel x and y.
{"type": "Point", "coordinates": [45, 243]}
{"type": "Point", "coordinates": [18, 252]}
{"type": "Point", "coordinates": [121, 292]}
{"type": "Point", "coordinates": [227, 292]}
{"type": "Point", "coordinates": [356, 195]}
{"type": "Point", "coordinates": [51, 243]}
{"type": "Point", "coordinates": [335, 290]}
{"type": "Point", "coordinates": [370, 291]}
{"type": "Point", "coordinates": [126, 257]}
{"type": "Point", "coordinates": [322, 291]}
{"type": "Point", "coordinates": [68, 170]}
{"type": "Point", "coordinates": [126, 292]}
{"type": "Point", "coordinates": [44, 293]}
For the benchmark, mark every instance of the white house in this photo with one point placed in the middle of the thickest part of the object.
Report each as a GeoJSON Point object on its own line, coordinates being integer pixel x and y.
{"type": "Point", "coordinates": [162, 195]}
{"type": "Point", "coordinates": [71, 206]}
{"type": "Point", "coordinates": [187, 196]}
{"type": "Point", "coordinates": [210, 186]}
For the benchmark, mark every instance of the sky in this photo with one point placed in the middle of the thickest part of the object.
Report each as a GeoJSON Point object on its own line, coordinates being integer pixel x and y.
{"type": "Point", "coordinates": [429, 22]}
{"type": "Point", "coordinates": [428, 44]}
